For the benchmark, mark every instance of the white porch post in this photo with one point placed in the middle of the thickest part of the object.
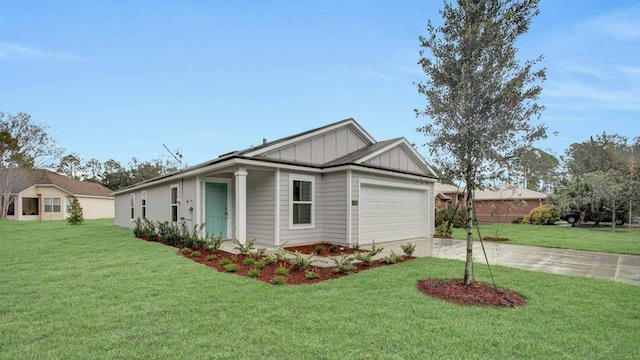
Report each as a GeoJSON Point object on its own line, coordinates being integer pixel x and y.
{"type": "Point", "coordinates": [241, 204]}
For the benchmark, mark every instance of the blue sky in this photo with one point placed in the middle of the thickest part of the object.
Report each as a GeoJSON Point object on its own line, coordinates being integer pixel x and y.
{"type": "Point", "coordinates": [118, 79]}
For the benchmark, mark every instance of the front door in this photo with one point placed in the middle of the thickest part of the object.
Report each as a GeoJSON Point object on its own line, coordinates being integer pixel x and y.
{"type": "Point", "coordinates": [216, 209]}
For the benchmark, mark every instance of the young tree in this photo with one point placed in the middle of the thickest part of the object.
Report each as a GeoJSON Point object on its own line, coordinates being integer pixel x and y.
{"type": "Point", "coordinates": [24, 144]}
{"type": "Point", "coordinates": [610, 189]}
{"type": "Point", "coordinates": [479, 97]}
{"type": "Point", "coordinates": [76, 216]}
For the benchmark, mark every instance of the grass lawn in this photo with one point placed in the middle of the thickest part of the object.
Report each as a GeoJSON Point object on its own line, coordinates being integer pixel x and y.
{"type": "Point", "coordinates": [93, 291]}
{"type": "Point", "coordinates": [622, 241]}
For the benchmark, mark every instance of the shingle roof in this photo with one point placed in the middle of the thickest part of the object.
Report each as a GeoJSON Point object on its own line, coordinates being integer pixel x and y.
{"type": "Point", "coordinates": [448, 189]}
{"type": "Point", "coordinates": [350, 158]}
{"type": "Point", "coordinates": [502, 192]}
{"type": "Point", "coordinates": [28, 178]}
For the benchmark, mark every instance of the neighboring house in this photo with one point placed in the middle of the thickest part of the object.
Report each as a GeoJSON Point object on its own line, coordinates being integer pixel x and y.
{"type": "Point", "coordinates": [449, 195]}
{"type": "Point", "coordinates": [335, 183]}
{"type": "Point", "coordinates": [505, 203]}
{"type": "Point", "coordinates": [45, 195]}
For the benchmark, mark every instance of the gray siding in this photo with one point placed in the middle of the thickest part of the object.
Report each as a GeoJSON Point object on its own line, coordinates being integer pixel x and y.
{"type": "Point", "coordinates": [261, 206]}
{"type": "Point", "coordinates": [396, 158]}
{"type": "Point", "coordinates": [322, 148]}
{"type": "Point", "coordinates": [334, 191]}
{"type": "Point", "coordinates": [300, 236]}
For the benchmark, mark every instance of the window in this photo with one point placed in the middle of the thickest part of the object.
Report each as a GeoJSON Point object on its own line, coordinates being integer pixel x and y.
{"type": "Point", "coordinates": [30, 206]}
{"type": "Point", "coordinates": [11, 209]}
{"type": "Point", "coordinates": [68, 205]}
{"type": "Point", "coordinates": [174, 203]}
{"type": "Point", "coordinates": [143, 204]}
{"type": "Point", "coordinates": [302, 195]}
{"type": "Point", "coordinates": [51, 205]}
{"type": "Point", "coordinates": [132, 201]}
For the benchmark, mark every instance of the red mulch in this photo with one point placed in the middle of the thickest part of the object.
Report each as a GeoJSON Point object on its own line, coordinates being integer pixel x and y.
{"type": "Point", "coordinates": [475, 294]}
{"type": "Point", "coordinates": [295, 276]}
{"type": "Point", "coordinates": [442, 237]}
{"type": "Point", "coordinates": [311, 249]}
{"type": "Point", "coordinates": [496, 239]}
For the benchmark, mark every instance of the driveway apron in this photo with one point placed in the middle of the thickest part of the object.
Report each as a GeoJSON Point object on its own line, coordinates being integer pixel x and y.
{"type": "Point", "coordinates": [618, 267]}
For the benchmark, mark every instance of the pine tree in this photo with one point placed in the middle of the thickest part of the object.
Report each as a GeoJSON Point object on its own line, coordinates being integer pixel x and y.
{"type": "Point", "coordinates": [75, 215]}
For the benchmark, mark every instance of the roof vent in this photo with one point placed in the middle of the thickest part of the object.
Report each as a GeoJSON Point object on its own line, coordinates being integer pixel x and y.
{"type": "Point", "coordinates": [264, 141]}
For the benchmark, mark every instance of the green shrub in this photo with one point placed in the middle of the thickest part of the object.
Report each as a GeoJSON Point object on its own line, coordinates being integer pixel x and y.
{"type": "Point", "coordinates": [300, 261]}
{"type": "Point", "coordinates": [391, 258]}
{"type": "Point", "coordinates": [457, 218]}
{"type": "Point", "coordinates": [75, 213]}
{"type": "Point", "coordinates": [311, 275]}
{"type": "Point", "coordinates": [278, 280]}
{"type": "Point", "coordinates": [258, 265]}
{"type": "Point", "coordinates": [244, 249]}
{"type": "Point", "coordinates": [253, 273]}
{"type": "Point", "coordinates": [211, 257]}
{"type": "Point", "coordinates": [196, 254]}
{"type": "Point", "coordinates": [282, 271]}
{"type": "Point", "coordinates": [278, 256]}
{"type": "Point", "coordinates": [137, 229]}
{"type": "Point", "coordinates": [517, 221]}
{"type": "Point", "coordinates": [333, 248]}
{"type": "Point", "coordinates": [149, 229]}
{"type": "Point", "coordinates": [257, 253]}
{"type": "Point", "coordinates": [248, 262]}
{"type": "Point", "coordinates": [215, 243]}
{"type": "Point", "coordinates": [367, 257]}
{"type": "Point", "coordinates": [442, 229]}
{"type": "Point", "coordinates": [542, 215]}
{"type": "Point", "coordinates": [319, 249]}
{"type": "Point", "coordinates": [344, 264]}
{"type": "Point", "coordinates": [408, 248]}
{"type": "Point", "coordinates": [231, 267]}
{"type": "Point", "coordinates": [225, 262]}
{"type": "Point", "coordinates": [185, 251]}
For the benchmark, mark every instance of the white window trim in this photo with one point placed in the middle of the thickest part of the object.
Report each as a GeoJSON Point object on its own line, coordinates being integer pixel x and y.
{"type": "Point", "coordinates": [143, 205]}
{"type": "Point", "coordinates": [53, 209]}
{"type": "Point", "coordinates": [176, 204]}
{"type": "Point", "coordinates": [67, 207]}
{"type": "Point", "coordinates": [132, 206]}
{"type": "Point", "coordinates": [312, 180]}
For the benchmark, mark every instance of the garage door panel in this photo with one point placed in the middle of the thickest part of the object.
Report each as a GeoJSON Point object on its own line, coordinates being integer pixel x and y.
{"type": "Point", "coordinates": [391, 213]}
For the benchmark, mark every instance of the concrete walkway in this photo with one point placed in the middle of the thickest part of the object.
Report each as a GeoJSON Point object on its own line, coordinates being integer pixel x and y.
{"type": "Point", "coordinates": [624, 268]}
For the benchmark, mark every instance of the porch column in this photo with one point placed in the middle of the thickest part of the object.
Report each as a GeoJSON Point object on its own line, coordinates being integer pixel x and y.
{"type": "Point", "coordinates": [241, 204]}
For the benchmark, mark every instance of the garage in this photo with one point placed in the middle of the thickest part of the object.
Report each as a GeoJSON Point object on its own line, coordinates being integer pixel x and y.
{"type": "Point", "coordinates": [389, 213]}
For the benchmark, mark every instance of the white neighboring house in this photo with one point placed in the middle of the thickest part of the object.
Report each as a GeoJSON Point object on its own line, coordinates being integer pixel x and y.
{"type": "Point", "coordinates": [335, 183]}
{"type": "Point", "coordinates": [45, 195]}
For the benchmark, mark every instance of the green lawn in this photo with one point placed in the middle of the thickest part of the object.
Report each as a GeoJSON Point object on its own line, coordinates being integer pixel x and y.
{"type": "Point", "coordinates": [93, 291]}
{"type": "Point", "coordinates": [622, 241]}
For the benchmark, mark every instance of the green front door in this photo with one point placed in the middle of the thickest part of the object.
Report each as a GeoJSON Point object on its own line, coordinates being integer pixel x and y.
{"type": "Point", "coordinates": [216, 209]}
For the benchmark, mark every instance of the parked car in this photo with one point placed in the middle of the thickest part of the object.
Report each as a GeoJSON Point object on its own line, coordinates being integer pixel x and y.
{"type": "Point", "coordinates": [605, 215]}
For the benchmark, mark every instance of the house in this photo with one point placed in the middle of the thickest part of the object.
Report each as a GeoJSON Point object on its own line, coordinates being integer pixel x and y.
{"type": "Point", "coordinates": [505, 203]}
{"type": "Point", "coordinates": [335, 183]}
{"type": "Point", "coordinates": [45, 195]}
{"type": "Point", "coordinates": [449, 195]}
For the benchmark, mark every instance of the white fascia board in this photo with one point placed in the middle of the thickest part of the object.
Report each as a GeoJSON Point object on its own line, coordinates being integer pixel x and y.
{"type": "Point", "coordinates": [393, 184]}
{"type": "Point", "coordinates": [416, 177]}
{"type": "Point", "coordinates": [300, 138]}
{"type": "Point", "coordinates": [405, 144]}
{"type": "Point", "coordinates": [277, 165]}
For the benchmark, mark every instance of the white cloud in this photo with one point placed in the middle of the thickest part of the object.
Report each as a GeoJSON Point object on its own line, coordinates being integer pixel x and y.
{"type": "Point", "coordinates": [9, 50]}
{"type": "Point", "coordinates": [583, 70]}
{"type": "Point", "coordinates": [621, 25]}
{"type": "Point", "coordinates": [630, 70]}
{"type": "Point", "coordinates": [593, 96]}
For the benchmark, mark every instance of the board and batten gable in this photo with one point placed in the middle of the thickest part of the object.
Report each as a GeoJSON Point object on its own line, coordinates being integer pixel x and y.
{"type": "Point", "coordinates": [396, 158]}
{"type": "Point", "coordinates": [322, 148]}
{"type": "Point", "coordinates": [261, 190]}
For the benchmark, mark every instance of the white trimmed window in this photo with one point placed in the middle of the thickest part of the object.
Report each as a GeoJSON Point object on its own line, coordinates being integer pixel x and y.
{"type": "Point", "coordinates": [68, 207]}
{"type": "Point", "coordinates": [174, 203]}
{"type": "Point", "coordinates": [143, 204]}
{"type": "Point", "coordinates": [132, 201]}
{"type": "Point", "coordinates": [301, 204]}
{"type": "Point", "coordinates": [51, 205]}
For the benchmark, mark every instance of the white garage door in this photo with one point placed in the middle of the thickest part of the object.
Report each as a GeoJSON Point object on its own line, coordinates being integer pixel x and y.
{"type": "Point", "coordinates": [391, 213]}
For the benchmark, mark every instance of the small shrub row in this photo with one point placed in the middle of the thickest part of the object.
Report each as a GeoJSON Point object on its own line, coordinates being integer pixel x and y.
{"type": "Point", "coordinates": [542, 215]}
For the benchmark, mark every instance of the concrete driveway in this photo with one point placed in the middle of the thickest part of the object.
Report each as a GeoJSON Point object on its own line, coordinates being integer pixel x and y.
{"type": "Point", "coordinates": [624, 268]}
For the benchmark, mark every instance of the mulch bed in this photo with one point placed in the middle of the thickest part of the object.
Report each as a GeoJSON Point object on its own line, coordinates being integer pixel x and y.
{"type": "Point", "coordinates": [295, 276]}
{"type": "Point", "coordinates": [496, 239]}
{"type": "Point", "coordinates": [311, 249]}
{"type": "Point", "coordinates": [475, 294]}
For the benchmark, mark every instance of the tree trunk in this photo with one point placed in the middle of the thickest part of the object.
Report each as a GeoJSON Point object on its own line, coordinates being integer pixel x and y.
{"type": "Point", "coordinates": [583, 213]}
{"type": "Point", "coordinates": [468, 227]}
{"type": "Point", "coordinates": [613, 216]}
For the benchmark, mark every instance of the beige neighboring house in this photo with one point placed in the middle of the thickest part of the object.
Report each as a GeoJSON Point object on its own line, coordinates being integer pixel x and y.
{"type": "Point", "coordinates": [45, 195]}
